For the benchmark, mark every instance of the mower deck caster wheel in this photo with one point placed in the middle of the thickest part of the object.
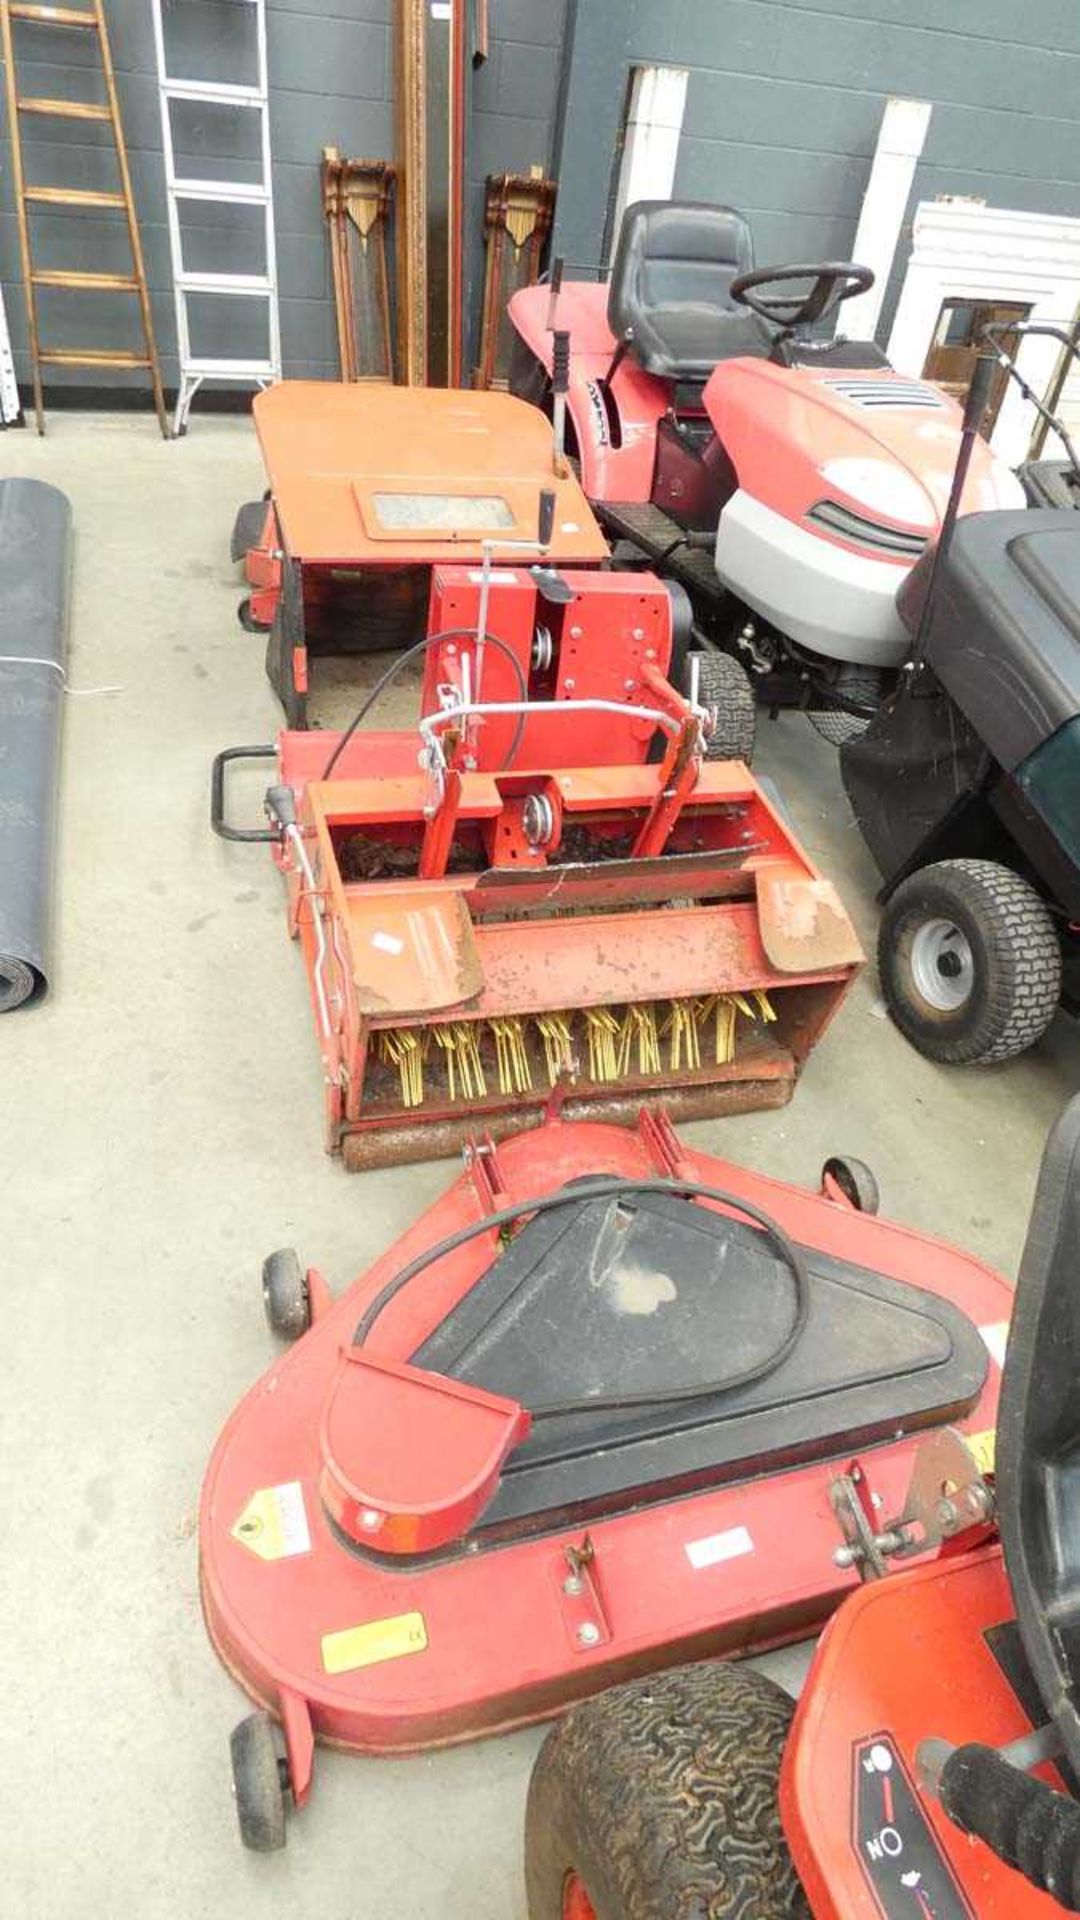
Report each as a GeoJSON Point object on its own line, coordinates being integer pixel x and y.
{"type": "Point", "coordinates": [286, 1297]}
{"type": "Point", "coordinates": [723, 684]}
{"type": "Point", "coordinates": [247, 618]}
{"type": "Point", "coordinates": [260, 1774]}
{"type": "Point", "coordinates": [661, 1797]}
{"type": "Point", "coordinates": [855, 1180]}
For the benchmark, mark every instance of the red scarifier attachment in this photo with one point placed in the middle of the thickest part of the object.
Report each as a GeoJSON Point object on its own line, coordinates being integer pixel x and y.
{"type": "Point", "coordinates": [552, 898]}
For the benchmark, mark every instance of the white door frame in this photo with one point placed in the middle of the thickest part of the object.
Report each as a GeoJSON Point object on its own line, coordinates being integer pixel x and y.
{"type": "Point", "coordinates": [963, 250]}
{"type": "Point", "coordinates": [651, 140]}
{"type": "Point", "coordinates": [900, 141]}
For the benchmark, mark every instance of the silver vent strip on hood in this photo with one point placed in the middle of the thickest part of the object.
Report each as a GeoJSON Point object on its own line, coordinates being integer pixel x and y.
{"type": "Point", "coordinates": [866, 533]}
{"type": "Point", "coordinates": [886, 393]}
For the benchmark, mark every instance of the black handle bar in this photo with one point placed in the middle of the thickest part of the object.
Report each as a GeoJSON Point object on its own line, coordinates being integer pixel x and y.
{"type": "Point", "coordinates": [217, 794]}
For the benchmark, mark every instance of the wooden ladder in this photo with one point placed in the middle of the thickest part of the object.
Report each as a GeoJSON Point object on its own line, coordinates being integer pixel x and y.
{"type": "Point", "coordinates": [84, 19]}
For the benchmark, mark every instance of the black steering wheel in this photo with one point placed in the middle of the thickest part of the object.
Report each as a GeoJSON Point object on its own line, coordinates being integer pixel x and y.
{"type": "Point", "coordinates": [834, 281]}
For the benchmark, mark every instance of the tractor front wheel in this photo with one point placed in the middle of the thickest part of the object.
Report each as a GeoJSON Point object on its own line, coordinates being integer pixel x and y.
{"type": "Point", "coordinates": [865, 686]}
{"type": "Point", "coordinates": [970, 962]}
{"type": "Point", "coordinates": [724, 686]}
{"type": "Point", "coordinates": [661, 1797]}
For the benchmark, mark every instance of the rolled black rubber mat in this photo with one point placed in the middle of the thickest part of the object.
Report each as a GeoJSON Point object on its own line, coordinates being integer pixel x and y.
{"type": "Point", "coordinates": [35, 550]}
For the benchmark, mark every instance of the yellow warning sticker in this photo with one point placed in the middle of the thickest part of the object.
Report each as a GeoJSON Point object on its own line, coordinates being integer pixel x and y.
{"type": "Point", "coordinates": [981, 1448]}
{"type": "Point", "coordinates": [377, 1640]}
{"type": "Point", "coordinates": [274, 1524]}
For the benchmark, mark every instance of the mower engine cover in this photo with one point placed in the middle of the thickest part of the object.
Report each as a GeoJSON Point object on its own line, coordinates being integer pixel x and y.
{"type": "Point", "coordinates": [843, 475]}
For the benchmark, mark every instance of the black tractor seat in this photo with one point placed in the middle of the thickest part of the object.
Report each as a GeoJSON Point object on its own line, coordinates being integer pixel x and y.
{"type": "Point", "coordinates": [668, 299]}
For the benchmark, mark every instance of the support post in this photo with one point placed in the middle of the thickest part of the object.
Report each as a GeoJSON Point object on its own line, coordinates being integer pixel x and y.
{"type": "Point", "coordinates": [899, 144]}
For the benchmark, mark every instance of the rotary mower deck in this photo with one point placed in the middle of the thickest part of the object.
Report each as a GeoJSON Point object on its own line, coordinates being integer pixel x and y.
{"type": "Point", "coordinates": [582, 1420]}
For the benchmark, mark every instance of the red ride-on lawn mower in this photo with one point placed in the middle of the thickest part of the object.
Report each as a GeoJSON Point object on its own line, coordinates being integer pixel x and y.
{"type": "Point", "coordinates": [549, 889]}
{"type": "Point", "coordinates": [580, 1422]}
{"type": "Point", "coordinates": [787, 482]}
{"type": "Point", "coordinates": [930, 1770]}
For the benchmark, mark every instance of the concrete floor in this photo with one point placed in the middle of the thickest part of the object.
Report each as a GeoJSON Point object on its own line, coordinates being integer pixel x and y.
{"type": "Point", "coordinates": [160, 1127]}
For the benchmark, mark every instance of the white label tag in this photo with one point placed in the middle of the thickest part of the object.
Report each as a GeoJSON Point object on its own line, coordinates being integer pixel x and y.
{"type": "Point", "coordinates": [719, 1546]}
{"type": "Point", "coordinates": [995, 1339]}
{"type": "Point", "coordinates": [499, 577]}
{"type": "Point", "coordinates": [292, 1517]}
{"type": "Point", "coordinates": [387, 942]}
{"type": "Point", "coordinates": [274, 1524]}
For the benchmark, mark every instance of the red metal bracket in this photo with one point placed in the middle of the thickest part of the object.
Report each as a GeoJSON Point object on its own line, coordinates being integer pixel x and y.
{"type": "Point", "coordinates": [580, 1600]}
{"type": "Point", "coordinates": [482, 1165]}
{"type": "Point", "coordinates": [299, 1742]}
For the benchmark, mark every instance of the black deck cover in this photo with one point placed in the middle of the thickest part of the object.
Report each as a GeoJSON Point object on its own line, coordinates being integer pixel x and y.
{"type": "Point", "coordinates": [645, 1293]}
{"type": "Point", "coordinates": [1004, 636]}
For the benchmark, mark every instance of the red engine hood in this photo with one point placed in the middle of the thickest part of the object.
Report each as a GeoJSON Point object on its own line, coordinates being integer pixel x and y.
{"type": "Point", "coordinates": [873, 439]}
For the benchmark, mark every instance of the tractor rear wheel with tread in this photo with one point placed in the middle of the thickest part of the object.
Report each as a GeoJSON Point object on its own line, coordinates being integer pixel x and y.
{"type": "Point", "coordinates": [723, 684]}
{"type": "Point", "coordinates": [661, 1797]}
{"type": "Point", "coordinates": [970, 962]}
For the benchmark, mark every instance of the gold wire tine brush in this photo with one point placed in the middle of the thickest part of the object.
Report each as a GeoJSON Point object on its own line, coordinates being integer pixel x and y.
{"type": "Point", "coordinates": [464, 1068]}
{"type": "Point", "coordinates": [602, 1030]}
{"type": "Point", "coordinates": [513, 1067]}
{"type": "Point", "coordinates": [405, 1048]}
{"type": "Point", "coordinates": [616, 1046]}
{"type": "Point", "coordinates": [554, 1031]}
{"type": "Point", "coordinates": [639, 1026]}
{"type": "Point", "coordinates": [681, 1024]}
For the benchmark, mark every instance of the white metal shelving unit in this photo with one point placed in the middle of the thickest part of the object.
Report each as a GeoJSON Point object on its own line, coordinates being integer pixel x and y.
{"type": "Point", "coordinates": [254, 98]}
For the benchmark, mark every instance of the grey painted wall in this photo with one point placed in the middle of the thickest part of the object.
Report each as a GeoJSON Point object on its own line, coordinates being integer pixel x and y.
{"type": "Point", "coordinates": [785, 99]}
{"type": "Point", "coordinates": [782, 113]}
{"type": "Point", "coordinates": [331, 81]}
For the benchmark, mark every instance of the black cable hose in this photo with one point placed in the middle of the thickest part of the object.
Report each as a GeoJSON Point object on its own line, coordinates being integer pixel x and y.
{"type": "Point", "coordinates": [600, 1190]}
{"type": "Point", "coordinates": [403, 659]}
